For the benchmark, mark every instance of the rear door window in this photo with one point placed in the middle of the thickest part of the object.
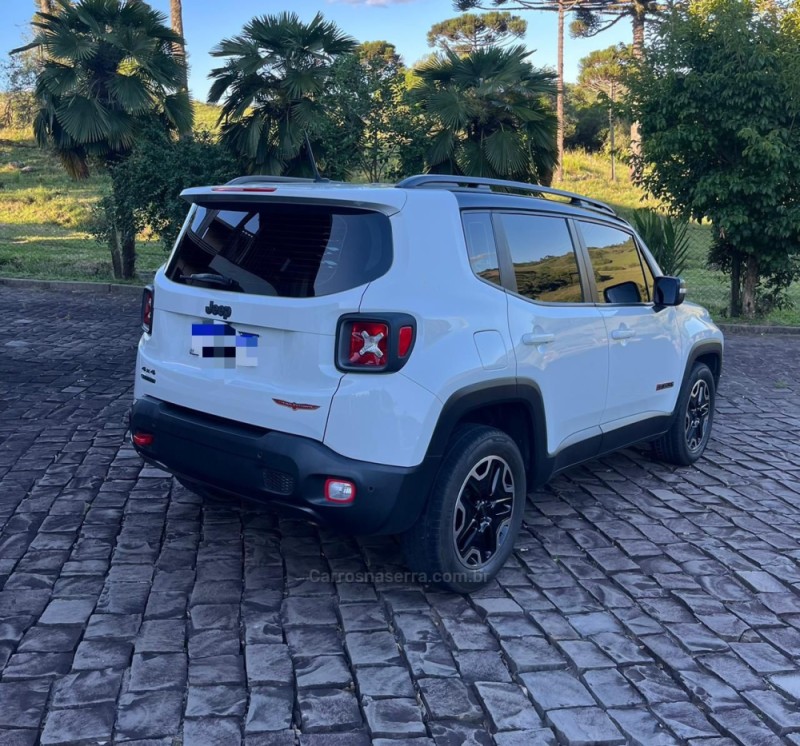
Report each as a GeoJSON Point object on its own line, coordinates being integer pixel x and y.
{"type": "Point", "coordinates": [291, 251]}
{"type": "Point", "coordinates": [545, 264]}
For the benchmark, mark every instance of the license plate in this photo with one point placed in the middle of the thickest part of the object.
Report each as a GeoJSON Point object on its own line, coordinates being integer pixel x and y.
{"type": "Point", "coordinates": [220, 345]}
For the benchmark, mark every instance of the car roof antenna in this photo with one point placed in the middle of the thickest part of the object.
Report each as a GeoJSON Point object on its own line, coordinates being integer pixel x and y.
{"type": "Point", "coordinates": [312, 160]}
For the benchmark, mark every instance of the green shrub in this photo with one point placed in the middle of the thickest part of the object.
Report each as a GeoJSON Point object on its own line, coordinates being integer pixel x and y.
{"type": "Point", "coordinates": [666, 237]}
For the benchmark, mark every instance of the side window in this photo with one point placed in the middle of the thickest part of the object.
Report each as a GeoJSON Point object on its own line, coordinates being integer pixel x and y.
{"type": "Point", "coordinates": [621, 274]}
{"type": "Point", "coordinates": [480, 245]}
{"type": "Point", "coordinates": [544, 258]}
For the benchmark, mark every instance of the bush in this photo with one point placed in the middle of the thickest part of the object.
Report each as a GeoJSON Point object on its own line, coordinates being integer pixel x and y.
{"type": "Point", "coordinates": [147, 185]}
{"type": "Point", "coordinates": [666, 237]}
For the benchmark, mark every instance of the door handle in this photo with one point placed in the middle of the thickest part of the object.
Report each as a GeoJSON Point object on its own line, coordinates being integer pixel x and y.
{"type": "Point", "coordinates": [623, 334]}
{"type": "Point", "coordinates": [537, 339]}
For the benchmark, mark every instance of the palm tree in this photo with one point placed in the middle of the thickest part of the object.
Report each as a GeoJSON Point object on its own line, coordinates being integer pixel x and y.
{"type": "Point", "coordinates": [109, 70]}
{"type": "Point", "coordinates": [176, 18]}
{"type": "Point", "coordinates": [490, 115]}
{"type": "Point", "coordinates": [274, 73]}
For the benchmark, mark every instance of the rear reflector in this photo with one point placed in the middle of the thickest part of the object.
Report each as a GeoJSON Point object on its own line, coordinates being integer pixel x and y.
{"type": "Point", "coordinates": [339, 491]}
{"type": "Point", "coordinates": [143, 440]}
{"type": "Point", "coordinates": [404, 340]}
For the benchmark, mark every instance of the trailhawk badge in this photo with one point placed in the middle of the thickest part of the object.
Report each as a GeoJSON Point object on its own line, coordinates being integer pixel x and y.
{"type": "Point", "coordinates": [294, 406]}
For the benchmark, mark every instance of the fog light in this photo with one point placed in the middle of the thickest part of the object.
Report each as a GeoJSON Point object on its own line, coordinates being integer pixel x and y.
{"type": "Point", "coordinates": [339, 491]}
{"type": "Point", "coordinates": [143, 440]}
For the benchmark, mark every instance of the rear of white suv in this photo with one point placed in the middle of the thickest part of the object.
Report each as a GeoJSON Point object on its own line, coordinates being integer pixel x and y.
{"type": "Point", "coordinates": [252, 330]}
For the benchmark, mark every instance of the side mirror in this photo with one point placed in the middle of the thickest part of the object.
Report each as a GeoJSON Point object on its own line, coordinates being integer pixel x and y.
{"type": "Point", "coordinates": [668, 291]}
{"type": "Point", "coordinates": [624, 292]}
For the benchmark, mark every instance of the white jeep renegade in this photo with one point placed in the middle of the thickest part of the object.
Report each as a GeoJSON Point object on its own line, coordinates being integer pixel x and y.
{"type": "Point", "coordinates": [413, 359]}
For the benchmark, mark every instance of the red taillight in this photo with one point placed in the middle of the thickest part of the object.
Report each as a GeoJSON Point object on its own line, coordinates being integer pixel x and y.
{"type": "Point", "coordinates": [375, 344]}
{"type": "Point", "coordinates": [147, 310]}
{"type": "Point", "coordinates": [369, 344]}
{"type": "Point", "coordinates": [143, 440]}
{"type": "Point", "coordinates": [404, 340]}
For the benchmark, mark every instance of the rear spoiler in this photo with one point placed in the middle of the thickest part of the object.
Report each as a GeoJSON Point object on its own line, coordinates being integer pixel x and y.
{"type": "Point", "coordinates": [256, 190]}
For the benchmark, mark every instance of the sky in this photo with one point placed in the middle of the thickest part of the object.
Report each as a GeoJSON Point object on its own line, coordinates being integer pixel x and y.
{"type": "Point", "coordinates": [404, 23]}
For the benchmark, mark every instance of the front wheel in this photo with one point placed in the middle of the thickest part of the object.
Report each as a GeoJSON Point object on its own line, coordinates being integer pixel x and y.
{"type": "Point", "coordinates": [469, 525]}
{"type": "Point", "coordinates": [688, 436]}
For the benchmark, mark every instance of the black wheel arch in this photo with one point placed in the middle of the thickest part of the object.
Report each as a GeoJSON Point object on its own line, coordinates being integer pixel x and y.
{"type": "Point", "coordinates": [507, 404]}
{"type": "Point", "coordinates": [709, 352]}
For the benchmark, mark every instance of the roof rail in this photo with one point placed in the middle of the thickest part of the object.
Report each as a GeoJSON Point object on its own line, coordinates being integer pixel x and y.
{"type": "Point", "coordinates": [263, 179]}
{"type": "Point", "coordinates": [447, 181]}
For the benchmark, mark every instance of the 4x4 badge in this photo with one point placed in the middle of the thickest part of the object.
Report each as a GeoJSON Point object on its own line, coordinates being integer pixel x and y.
{"type": "Point", "coordinates": [214, 310]}
{"type": "Point", "coordinates": [294, 406]}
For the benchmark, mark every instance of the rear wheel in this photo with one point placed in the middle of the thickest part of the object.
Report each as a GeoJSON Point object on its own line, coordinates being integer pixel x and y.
{"type": "Point", "coordinates": [467, 530]}
{"type": "Point", "coordinates": [688, 436]}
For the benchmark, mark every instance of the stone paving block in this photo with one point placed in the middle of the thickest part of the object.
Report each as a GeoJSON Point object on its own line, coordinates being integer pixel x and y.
{"type": "Point", "coordinates": [93, 722]}
{"type": "Point", "coordinates": [22, 704]}
{"type": "Point", "coordinates": [459, 734]}
{"type": "Point", "coordinates": [641, 728]}
{"type": "Point", "coordinates": [684, 720]}
{"type": "Point", "coordinates": [328, 710]}
{"type": "Point", "coordinates": [323, 671]}
{"type": "Point", "coordinates": [778, 711]}
{"type": "Point", "coordinates": [68, 611]}
{"type": "Point", "coordinates": [481, 665]}
{"type": "Point", "coordinates": [584, 726]}
{"type": "Point", "coordinates": [87, 688]}
{"type": "Point", "coordinates": [46, 639]}
{"type": "Point", "coordinates": [35, 665]}
{"type": "Point", "coordinates": [268, 664]}
{"type": "Point", "coordinates": [216, 701]}
{"type": "Point", "coordinates": [611, 688]}
{"type": "Point", "coordinates": [448, 699]}
{"type": "Point", "coordinates": [218, 669]}
{"type": "Point", "coordinates": [372, 648]}
{"type": "Point", "coordinates": [384, 681]}
{"type": "Point", "coordinates": [393, 718]}
{"type": "Point", "coordinates": [270, 710]}
{"type": "Point", "coordinates": [744, 726]}
{"type": "Point", "coordinates": [508, 707]}
{"type": "Point", "coordinates": [149, 715]}
{"type": "Point", "coordinates": [161, 636]}
{"type": "Point", "coordinates": [205, 731]}
{"type": "Point", "coordinates": [532, 654]}
{"type": "Point", "coordinates": [762, 657]}
{"type": "Point", "coordinates": [121, 627]}
{"type": "Point", "coordinates": [158, 671]}
{"type": "Point", "coordinates": [99, 654]}
{"type": "Point", "coordinates": [551, 690]}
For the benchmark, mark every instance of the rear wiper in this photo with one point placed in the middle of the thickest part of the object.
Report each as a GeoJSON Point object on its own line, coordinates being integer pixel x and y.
{"type": "Point", "coordinates": [213, 279]}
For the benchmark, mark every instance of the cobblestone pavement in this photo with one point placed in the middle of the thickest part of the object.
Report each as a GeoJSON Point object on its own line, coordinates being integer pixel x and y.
{"type": "Point", "coordinates": [643, 605]}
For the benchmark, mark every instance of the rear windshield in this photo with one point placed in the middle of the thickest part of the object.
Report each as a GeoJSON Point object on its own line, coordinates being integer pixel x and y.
{"type": "Point", "coordinates": [291, 251]}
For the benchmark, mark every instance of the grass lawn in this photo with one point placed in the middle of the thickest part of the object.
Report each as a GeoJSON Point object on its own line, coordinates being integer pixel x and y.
{"type": "Point", "coordinates": [44, 217]}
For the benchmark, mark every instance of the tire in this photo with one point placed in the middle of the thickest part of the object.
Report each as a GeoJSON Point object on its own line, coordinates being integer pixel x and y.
{"type": "Point", "coordinates": [438, 546]}
{"type": "Point", "coordinates": [688, 435]}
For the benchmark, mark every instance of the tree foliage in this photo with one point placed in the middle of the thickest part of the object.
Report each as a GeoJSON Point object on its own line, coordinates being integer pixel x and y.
{"type": "Point", "coordinates": [490, 115]}
{"type": "Point", "coordinates": [108, 69]}
{"type": "Point", "coordinates": [270, 87]}
{"type": "Point", "coordinates": [147, 185]}
{"type": "Point", "coordinates": [717, 101]}
{"type": "Point", "coordinates": [473, 31]}
{"type": "Point", "coordinates": [370, 127]}
{"type": "Point", "coordinates": [108, 72]}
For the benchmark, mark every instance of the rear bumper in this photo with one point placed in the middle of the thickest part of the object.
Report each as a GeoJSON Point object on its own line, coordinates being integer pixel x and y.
{"type": "Point", "coordinates": [288, 471]}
